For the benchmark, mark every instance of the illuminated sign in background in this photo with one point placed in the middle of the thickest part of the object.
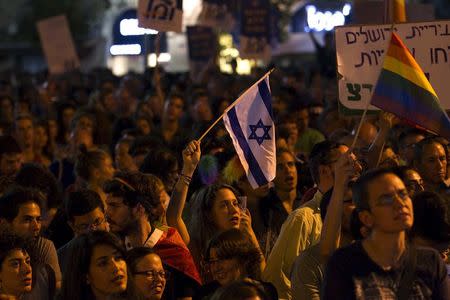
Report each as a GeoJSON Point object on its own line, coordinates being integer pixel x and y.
{"type": "Point", "coordinates": [321, 16]}
{"type": "Point", "coordinates": [129, 39]}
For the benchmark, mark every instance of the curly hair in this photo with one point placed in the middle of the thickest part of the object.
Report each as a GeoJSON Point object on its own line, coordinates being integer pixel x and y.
{"type": "Point", "coordinates": [236, 244]}
{"type": "Point", "coordinates": [136, 188]}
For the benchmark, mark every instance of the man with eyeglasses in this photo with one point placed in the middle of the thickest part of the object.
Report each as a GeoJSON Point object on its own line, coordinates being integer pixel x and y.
{"type": "Point", "coordinates": [384, 265]}
{"type": "Point", "coordinates": [85, 212]}
{"type": "Point", "coordinates": [303, 226]}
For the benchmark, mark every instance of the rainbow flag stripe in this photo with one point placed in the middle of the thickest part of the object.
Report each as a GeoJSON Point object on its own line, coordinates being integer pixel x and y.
{"type": "Point", "coordinates": [404, 90]}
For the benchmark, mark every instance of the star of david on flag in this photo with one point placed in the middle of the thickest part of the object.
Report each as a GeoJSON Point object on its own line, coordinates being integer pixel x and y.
{"type": "Point", "coordinates": [250, 124]}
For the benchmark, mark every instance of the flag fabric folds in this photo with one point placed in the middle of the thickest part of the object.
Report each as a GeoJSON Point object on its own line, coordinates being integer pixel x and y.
{"type": "Point", "coordinates": [250, 124]}
{"type": "Point", "coordinates": [404, 90]}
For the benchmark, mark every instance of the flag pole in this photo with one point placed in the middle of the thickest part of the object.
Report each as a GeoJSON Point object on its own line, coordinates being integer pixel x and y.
{"type": "Point", "coordinates": [232, 105]}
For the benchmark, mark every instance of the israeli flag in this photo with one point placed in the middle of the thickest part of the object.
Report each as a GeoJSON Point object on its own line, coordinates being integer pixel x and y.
{"type": "Point", "coordinates": [250, 124]}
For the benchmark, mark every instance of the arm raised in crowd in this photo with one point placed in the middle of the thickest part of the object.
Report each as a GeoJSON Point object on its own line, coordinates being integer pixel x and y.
{"type": "Point", "coordinates": [191, 157]}
{"type": "Point", "coordinates": [331, 229]}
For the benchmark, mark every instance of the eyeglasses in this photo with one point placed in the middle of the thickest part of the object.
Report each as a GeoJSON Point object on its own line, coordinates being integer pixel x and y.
{"type": "Point", "coordinates": [389, 199]}
{"type": "Point", "coordinates": [94, 225]}
{"type": "Point", "coordinates": [414, 185]}
{"type": "Point", "coordinates": [151, 274]}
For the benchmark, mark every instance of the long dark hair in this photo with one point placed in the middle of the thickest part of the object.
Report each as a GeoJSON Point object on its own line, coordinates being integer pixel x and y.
{"type": "Point", "coordinates": [201, 224]}
{"type": "Point", "coordinates": [75, 286]}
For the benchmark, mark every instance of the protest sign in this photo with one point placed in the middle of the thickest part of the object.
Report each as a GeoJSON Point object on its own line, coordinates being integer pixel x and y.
{"type": "Point", "coordinates": [360, 53]}
{"type": "Point", "coordinates": [161, 15]}
{"type": "Point", "coordinates": [255, 30]}
{"type": "Point", "coordinates": [215, 13]}
{"type": "Point", "coordinates": [201, 43]}
{"type": "Point", "coordinates": [57, 43]}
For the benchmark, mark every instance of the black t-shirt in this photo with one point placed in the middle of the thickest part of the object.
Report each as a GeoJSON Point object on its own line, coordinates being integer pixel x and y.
{"type": "Point", "coordinates": [352, 274]}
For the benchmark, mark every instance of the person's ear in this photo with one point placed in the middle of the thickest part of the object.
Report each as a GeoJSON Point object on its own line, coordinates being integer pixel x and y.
{"type": "Point", "coordinates": [139, 210]}
{"type": "Point", "coordinates": [366, 218]}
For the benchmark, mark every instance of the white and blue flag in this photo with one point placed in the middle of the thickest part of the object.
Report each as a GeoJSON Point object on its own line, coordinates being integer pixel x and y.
{"type": "Point", "coordinates": [250, 124]}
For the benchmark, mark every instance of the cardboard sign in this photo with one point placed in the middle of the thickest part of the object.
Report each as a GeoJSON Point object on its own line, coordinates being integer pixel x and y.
{"type": "Point", "coordinates": [255, 30]}
{"type": "Point", "coordinates": [58, 46]}
{"type": "Point", "coordinates": [161, 15]}
{"type": "Point", "coordinates": [360, 54]}
{"type": "Point", "coordinates": [201, 42]}
{"type": "Point", "coordinates": [215, 13]}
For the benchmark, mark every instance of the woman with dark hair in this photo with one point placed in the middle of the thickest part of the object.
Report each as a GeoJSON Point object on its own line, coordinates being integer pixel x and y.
{"type": "Point", "coordinates": [16, 278]}
{"type": "Point", "coordinates": [231, 256]}
{"type": "Point", "coordinates": [147, 273]}
{"type": "Point", "coordinates": [96, 269]}
{"type": "Point", "coordinates": [215, 209]}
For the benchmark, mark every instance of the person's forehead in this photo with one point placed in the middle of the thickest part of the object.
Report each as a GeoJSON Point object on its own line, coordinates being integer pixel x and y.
{"type": "Point", "coordinates": [412, 175]}
{"type": "Point", "coordinates": [116, 199]}
{"type": "Point", "coordinates": [29, 207]}
{"type": "Point", "coordinates": [385, 183]}
{"type": "Point", "coordinates": [284, 157]}
{"type": "Point", "coordinates": [433, 149]}
{"type": "Point", "coordinates": [150, 261]}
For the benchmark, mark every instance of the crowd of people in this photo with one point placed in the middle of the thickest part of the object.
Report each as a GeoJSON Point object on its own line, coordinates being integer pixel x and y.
{"type": "Point", "coordinates": [107, 194]}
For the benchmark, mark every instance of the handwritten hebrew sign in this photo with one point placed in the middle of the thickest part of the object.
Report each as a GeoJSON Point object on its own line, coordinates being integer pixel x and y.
{"type": "Point", "coordinates": [57, 43]}
{"type": "Point", "coordinates": [161, 15]}
{"type": "Point", "coordinates": [360, 53]}
{"type": "Point", "coordinates": [255, 30]}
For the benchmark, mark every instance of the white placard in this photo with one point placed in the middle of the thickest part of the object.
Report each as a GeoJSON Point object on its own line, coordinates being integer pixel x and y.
{"type": "Point", "coordinates": [360, 54]}
{"type": "Point", "coordinates": [161, 15]}
{"type": "Point", "coordinates": [57, 42]}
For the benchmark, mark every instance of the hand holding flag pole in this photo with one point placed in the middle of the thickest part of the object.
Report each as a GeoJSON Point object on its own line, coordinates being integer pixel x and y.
{"type": "Point", "coordinates": [232, 105]}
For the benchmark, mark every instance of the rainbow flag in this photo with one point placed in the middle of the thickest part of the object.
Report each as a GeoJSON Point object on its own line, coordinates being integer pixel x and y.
{"type": "Point", "coordinates": [399, 11]}
{"type": "Point", "coordinates": [403, 90]}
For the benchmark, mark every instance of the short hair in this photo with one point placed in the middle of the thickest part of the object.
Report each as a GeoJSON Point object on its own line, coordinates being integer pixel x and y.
{"type": "Point", "coordinates": [361, 187]}
{"type": "Point", "coordinates": [87, 160]}
{"type": "Point", "coordinates": [135, 254]}
{"type": "Point", "coordinates": [36, 176]}
{"type": "Point", "coordinates": [10, 242]}
{"type": "Point", "coordinates": [234, 243]}
{"type": "Point", "coordinates": [420, 146]}
{"type": "Point", "coordinates": [14, 198]}
{"type": "Point", "coordinates": [82, 202]}
{"type": "Point", "coordinates": [320, 155]}
{"type": "Point", "coordinates": [9, 145]}
{"type": "Point", "coordinates": [135, 188]}
{"type": "Point", "coordinates": [356, 225]}
{"type": "Point", "coordinates": [430, 217]}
